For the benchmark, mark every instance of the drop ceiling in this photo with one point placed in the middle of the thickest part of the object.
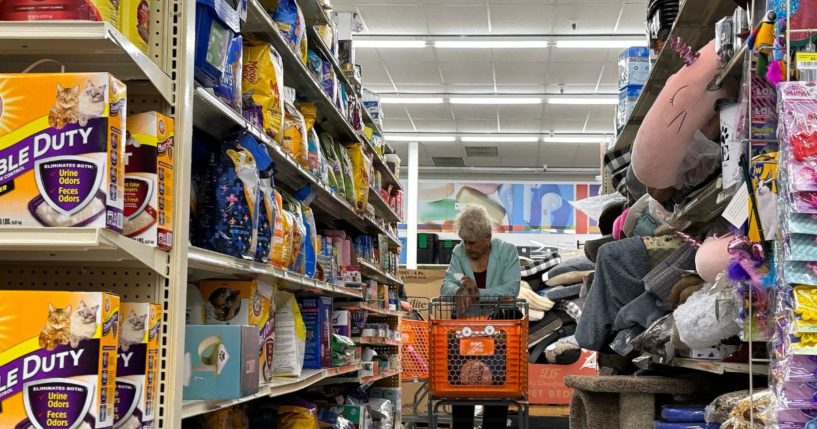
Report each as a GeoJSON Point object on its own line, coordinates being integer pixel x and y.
{"type": "Point", "coordinates": [446, 72]}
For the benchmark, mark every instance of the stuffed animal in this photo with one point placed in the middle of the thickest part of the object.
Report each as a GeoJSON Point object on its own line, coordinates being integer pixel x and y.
{"type": "Point", "coordinates": [683, 107]}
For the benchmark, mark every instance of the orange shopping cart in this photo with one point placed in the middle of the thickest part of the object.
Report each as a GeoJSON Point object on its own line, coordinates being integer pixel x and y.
{"type": "Point", "coordinates": [479, 355]}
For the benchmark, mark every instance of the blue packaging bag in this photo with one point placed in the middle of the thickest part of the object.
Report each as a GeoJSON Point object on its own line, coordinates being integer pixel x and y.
{"type": "Point", "coordinates": [229, 88]}
{"type": "Point", "coordinates": [217, 24]}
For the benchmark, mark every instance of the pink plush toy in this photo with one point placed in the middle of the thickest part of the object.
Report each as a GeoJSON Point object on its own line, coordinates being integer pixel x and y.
{"type": "Point", "coordinates": [713, 257]}
{"type": "Point", "coordinates": [683, 107]}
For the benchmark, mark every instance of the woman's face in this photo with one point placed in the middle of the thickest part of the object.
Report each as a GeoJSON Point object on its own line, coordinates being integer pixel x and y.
{"type": "Point", "coordinates": [477, 248]}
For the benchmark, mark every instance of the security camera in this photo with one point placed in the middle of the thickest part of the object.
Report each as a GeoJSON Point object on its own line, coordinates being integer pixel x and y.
{"type": "Point", "coordinates": [544, 168]}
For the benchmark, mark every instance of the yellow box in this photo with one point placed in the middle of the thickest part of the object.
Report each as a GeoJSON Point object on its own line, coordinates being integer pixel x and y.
{"type": "Point", "coordinates": [62, 146]}
{"type": "Point", "coordinates": [243, 302]}
{"type": "Point", "coordinates": [58, 357]}
{"type": "Point", "coordinates": [149, 179]}
{"type": "Point", "coordinates": [137, 372]}
{"type": "Point", "coordinates": [134, 22]}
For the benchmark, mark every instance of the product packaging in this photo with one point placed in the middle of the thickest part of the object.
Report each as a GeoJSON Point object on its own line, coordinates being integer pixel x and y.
{"type": "Point", "coordinates": [361, 166]}
{"type": "Point", "coordinates": [290, 20]}
{"type": "Point", "coordinates": [627, 98]}
{"type": "Point", "coordinates": [295, 139]}
{"type": "Point", "coordinates": [633, 67]}
{"type": "Point", "coordinates": [62, 162]}
{"type": "Point", "coordinates": [358, 415]}
{"type": "Point", "coordinates": [282, 234]}
{"type": "Point", "coordinates": [196, 306]}
{"type": "Point", "coordinates": [134, 22]}
{"type": "Point", "coordinates": [342, 322]}
{"type": "Point", "coordinates": [731, 147]}
{"type": "Point", "coordinates": [317, 315]}
{"type": "Point", "coordinates": [299, 238]}
{"type": "Point", "coordinates": [228, 89]}
{"type": "Point", "coordinates": [290, 336]}
{"type": "Point", "coordinates": [137, 371]}
{"type": "Point", "coordinates": [217, 23]}
{"type": "Point", "coordinates": [62, 346]}
{"type": "Point", "coordinates": [263, 89]}
{"type": "Point", "coordinates": [221, 362]}
{"type": "Point", "coordinates": [38, 10]}
{"type": "Point", "coordinates": [244, 302]}
{"type": "Point", "coordinates": [149, 179]}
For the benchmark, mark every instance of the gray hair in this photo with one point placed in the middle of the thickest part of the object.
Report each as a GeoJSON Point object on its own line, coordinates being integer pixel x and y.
{"type": "Point", "coordinates": [473, 223]}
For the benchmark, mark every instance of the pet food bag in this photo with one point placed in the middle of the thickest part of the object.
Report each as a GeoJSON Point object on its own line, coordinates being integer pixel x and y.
{"type": "Point", "coordinates": [347, 173]}
{"type": "Point", "coordinates": [50, 10]}
{"type": "Point", "coordinates": [332, 165]}
{"type": "Point", "coordinates": [290, 20]}
{"type": "Point", "coordinates": [263, 87]}
{"type": "Point", "coordinates": [295, 139]}
{"type": "Point", "coordinates": [137, 371]}
{"type": "Point", "coordinates": [228, 89]}
{"type": "Point", "coordinates": [63, 148]}
{"type": "Point", "coordinates": [243, 302]}
{"type": "Point", "coordinates": [58, 364]}
{"type": "Point", "coordinates": [311, 242]}
{"type": "Point", "coordinates": [282, 236]}
{"type": "Point", "coordinates": [296, 263]}
{"type": "Point", "coordinates": [266, 221]}
{"type": "Point", "coordinates": [217, 23]}
{"type": "Point", "coordinates": [149, 179]}
{"type": "Point", "coordinates": [134, 22]}
{"type": "Point", "coordinates": [290, 337]}
{"type": "Point", "coordinates": [361, 166]}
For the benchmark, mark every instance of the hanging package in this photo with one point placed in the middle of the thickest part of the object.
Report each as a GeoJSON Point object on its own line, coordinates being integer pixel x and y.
{"type": "Point", "coordinates": [217, 23]}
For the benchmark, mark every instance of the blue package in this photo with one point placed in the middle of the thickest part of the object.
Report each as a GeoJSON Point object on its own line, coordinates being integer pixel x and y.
{"type": "Point", "coordinates": [633, 67]}
{"type": "Point", "coordinates": [672, 425]}
{"type": "Point", "coordinates": [289, 19]}
{"type": "Point", "coordinates": [683, 414]}
{"type": "Point", "coordinates": [310, 253]}
{"type": "Point", "coordinates": [627, 98]}
{"type": "Point", "coordinates": [316, 312]}
{"type": "Point", "coordinates": [217, 23]}
{"type": "Point", "coordinates": [266, 200]}
{"type": "Point", "coordinates": [228, 204]}
{"type": "Point", "coordinates": [223, 361]}
{"type": "Point", "coordinates": [229, 88]}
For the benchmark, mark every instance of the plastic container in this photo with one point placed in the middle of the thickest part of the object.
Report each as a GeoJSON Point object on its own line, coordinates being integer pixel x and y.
{"type": "Point", "coordinates": [445, 248]}
{"type": "Point", "coordinates": [427, 249]}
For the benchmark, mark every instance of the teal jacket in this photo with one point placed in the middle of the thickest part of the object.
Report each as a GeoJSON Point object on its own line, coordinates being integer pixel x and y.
{"type": "Point", "coordinates": [504, 272]}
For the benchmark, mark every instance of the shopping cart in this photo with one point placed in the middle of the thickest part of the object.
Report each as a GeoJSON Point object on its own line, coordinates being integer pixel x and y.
{"type": "Point", "coordinates": [479, 356]}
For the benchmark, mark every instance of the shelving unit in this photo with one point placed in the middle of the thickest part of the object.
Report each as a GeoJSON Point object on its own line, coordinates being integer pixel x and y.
{"type": "Point", "coordinates": [719, 367]}
{"type": "Point", "coordinates": [375, 341]}
{"type": "Point", "coordinates": [369, 379]}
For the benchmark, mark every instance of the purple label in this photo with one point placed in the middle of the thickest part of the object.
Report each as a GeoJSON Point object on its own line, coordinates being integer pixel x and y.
{"type": "Point", "coordinates": [68, 183]}
{"type": "Point", "coordinates": [62, 362]}
{"type": "Point", "coordinates": [127, 395]}
{"type": "Point", "coordinates": [132, 362]}
{"type": "Point", "coordinates": [111, 325]}
{"type": "Point", "coordinates": [57, 403]}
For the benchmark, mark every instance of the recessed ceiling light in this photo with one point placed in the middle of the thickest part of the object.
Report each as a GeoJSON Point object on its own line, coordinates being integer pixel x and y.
{"type": "Point", "coordinates": [600, 100]}
{"type": "Point", "coordinates": [494, 100]}
{"type": "Point", "coordinates": [411, 100]}
{"type": "Point", "coordinates": [387, 44]}
{"type": "Point", "coordinates": [419, 138]}
{"type": "Point", "coordinates": [599, 44]}
{"type": "Point", "coordinates": [573, 139]}
{"type": "Point", "coordinates": [500, 139]}
{"type": "Point", "coordinates": [492, 44]}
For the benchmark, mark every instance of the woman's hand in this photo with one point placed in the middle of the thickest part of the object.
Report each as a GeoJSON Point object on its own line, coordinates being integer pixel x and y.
{"type": "Point", "coordinates": [464, 297]}
{"type": "Point", "coordinates": [406, 306]}
{"type": "Point", "coordinates": [468, 283]}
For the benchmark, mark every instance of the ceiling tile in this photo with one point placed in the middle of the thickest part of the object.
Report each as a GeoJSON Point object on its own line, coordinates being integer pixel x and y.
{"type": "Point", "coordinates": [532, 112]}
{"type": "Point", "coordinates": [462, 55]}
{"type": "Point", "coordinates": [419, 88]}
{"type": "Point", "coordinates": [459, 19]}
{"type": "Point", "coordinates": [481, 112]}
{"type": "Point", "coordinates": [396, 111]}
{"type": "Point", "coordinates": [588, 156]}
{"type": "Point", "coordinates": [598, 18]}
{"type": "Point", "coordinates": [414, 73]}
{"type": "Point", "coordinates": [513, 125]}
{"type": "Point", "coordinates": [435, 125]}
{"type": "Point", "coordinates": [467, 73]}
{"type": "Point", "coordinates": [574, 73]}
{"type": "Point", "coordinates": [521, 88]}
{"type": "Point", "coordinates": [375, 74]}
{"type": "Point", "coordinates": [419, 55]}
{"type": "Point", "coordinates": [522, 19]}
{"type": "Point", "coordinates": [573, 125]}
{"type": "Point", "coordinates": [520, 55]}
{"type": "Point", "coordinates": [397, 125]}
{"type": "Point", "coordinates": [557, 155]}
{"type": "Point", "coordinates": [470, 89]}
{"type": "Point", "coordinates": [444, 149]}
{"type": "Point", "coordinates": [559, 55]}
{"type": "Point", "coordinates": [393, 19]}
{"type": "Point", "coordinates": [476, 126]}
{"type": "Point", "coordinates": [569, 111]}
{"type": "Point", "coordinates": [429, 111]}
{"type": "Point", "coordinates": [632, 19]}
{"type": "Point", "coordinates": [529, 73]}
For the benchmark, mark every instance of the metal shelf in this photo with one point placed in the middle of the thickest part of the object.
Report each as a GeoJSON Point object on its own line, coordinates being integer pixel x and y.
{"type": "Point", "coordinates": [369, 120]}
{"type": "Point", "coordinates": [373, 272]}
{"type": "Point", "coordinates": [693, 16]}
{"type": "Point", "coordinates": [279, 386]}
{"type": "Point", "coordinates": [719, 367]}
{"type": "Point", "coordinates": [313, 12]}
{"type": "Point", "coordinates": [375, 341]}
{"type": "Point", "coordinates": [81, 245]}
{"type": "Point", "coordinates": [382, 206]}
{"type": "Point", "coordinates": [83, 46]}
{"type": "Point", "coordinates": [372, 308]}
{"type": "Point", "coordinates": [388, 175]}
{"type": "Point", "coordinates": [370, 379]}
{"type": "Point", "coordinates": [204, 263]}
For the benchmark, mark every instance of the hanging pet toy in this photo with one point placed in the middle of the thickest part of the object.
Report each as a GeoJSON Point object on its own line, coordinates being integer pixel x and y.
{"type": "Point", "coordinates": [776, 70]}
{"type": "Point", "coordinates": [761, 40]}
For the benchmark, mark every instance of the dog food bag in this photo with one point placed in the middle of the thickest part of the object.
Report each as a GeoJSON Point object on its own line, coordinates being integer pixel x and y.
{"type": "Point", "coordinates": [361, 166]}
{"type": "Point", "coordinates": [262, 87]}
{"type": "Point", "coordinates": [62, 148]}
{"type": "Point", "coordinates": [279, 237]}
{"type": "Point", "coordinates": [296, 262]}
{"type": "Point", "coordinates": [244, 302]}
{"type": "Point", "coordinates": [134, 22]}
{"type": "Point", "coordinates": [311, 242]}
{"type": "Point", "coordinates": [295, 139]}
{"type": "Point", "coordinates": [50, 10]}
{"type": "Point", "coordinates": [58, 359]}
{"type": "Point", "coordinates": [137, 371]}
{"type": "Point", "coordinates": [348, 174]}
{"type": "Point", "coordinates": [290, 20]}
{"type": "Point", "coordinates": [149, 179]}
{"type": "Point", "coordinates": [266, 221]}
{"type": "Point", "coordinates": [290, 337]}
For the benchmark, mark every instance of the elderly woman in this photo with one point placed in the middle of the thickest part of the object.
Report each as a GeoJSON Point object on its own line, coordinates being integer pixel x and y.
{"type": "Point", "coordinates": [485, 266]}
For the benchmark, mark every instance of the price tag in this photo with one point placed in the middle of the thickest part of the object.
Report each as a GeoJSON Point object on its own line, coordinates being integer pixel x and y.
{"type": "Point", "coordinates": [806, 60]}
{"type": "Point", "coordinates": [737, 212]}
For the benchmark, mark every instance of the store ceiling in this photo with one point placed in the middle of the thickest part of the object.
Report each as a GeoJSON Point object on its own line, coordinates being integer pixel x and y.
{"type": "Point", "coordinates": [446, 72]}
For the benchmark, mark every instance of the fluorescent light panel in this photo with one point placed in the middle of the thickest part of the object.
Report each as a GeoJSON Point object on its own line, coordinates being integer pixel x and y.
{"type": "Point", "coordinates": [573, 139]}
{"type": "Point", "coordinates": [492, 44]}
{"type": "Point", "coordinates": [600, 100]}
{"type": "Point", "coordinates": [494, 100]}
{"type": "Point", "coordinates": [599, 44]}
{"type": "Point", "coordinates": [499, 139]}
{"type": "Point", "coordinates": [411, 100]}
{"type": "Point", "coordinates": [389, 44]}
{"type": "Point", "coordinates": [419, 138]}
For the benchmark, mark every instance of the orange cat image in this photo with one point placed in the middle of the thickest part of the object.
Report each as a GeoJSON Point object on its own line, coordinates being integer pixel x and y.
{"type": "Point", "coordinates": [57, 330]}
{"type": "Point", "coordinates": [66, 108]}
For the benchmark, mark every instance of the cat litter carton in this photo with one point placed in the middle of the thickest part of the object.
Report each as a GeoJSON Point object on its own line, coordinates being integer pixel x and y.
{"type": "Point", "coordinates": [221, 362]}
{"type": "Point", "coordinates": [243, 302]}
{"type": "Point", "coordinates": [62, 148]}
{"type": "Point", "coordinates": [149, 179]}
{"type": "Point", "coordinates": [48, 10]}
{"type": "Point", "coordinates": [137, 371]}
{"type": "Point", "coordinates": [58, 359]}
{"type": "Point", "coordinates": [134, 22]}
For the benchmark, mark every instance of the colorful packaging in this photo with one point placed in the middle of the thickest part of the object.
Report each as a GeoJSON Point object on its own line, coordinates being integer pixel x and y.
{"type": "Point", "coordinates": [263, 87]}
{"type": "Point", "coordinates": [290, 20]}
{"type": "Point", "coordinates": [217, 23]}
{"type": "Point", "coordinates": [149, 179]}
{"type": "Point", "coordinates": [137, 371]}
{"type": "Point", "coordinates": [61, 150]}
{"type": "Point", "coordinates": [311, 242]}
{"type": "Point", "coordinates": [317, 315]}
{"type": "Point", "coordinates": [266, 222]}
{"type": "Point", "coordinates": [58, 359]}
{"type": "Point", "coordinates": [221, 362]}
{"type": "Point", "coordinates": [290, 334]}
{"type": "Point", "coordinates": [243, 302]}
{"type": "Point", "coordinates": [295, 139]}
{"type": "Point", "coordinates": [229, 88]}
{"type": "Point", "coordinates": [361, 166]}
{"type": "Point", "coordinates": [50, 10]}
{"type": "Point", "coordinates": [134, 22]}
{"type": "Point", "coordinates": [281, 238]}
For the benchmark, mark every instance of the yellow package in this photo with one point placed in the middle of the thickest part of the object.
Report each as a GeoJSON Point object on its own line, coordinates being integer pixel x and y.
{"type": "Point", "coordinates": [62, 149]}
{"type": "Point", "coordinates": [137, 371]}
{"type": "Point", "coordinates": [262, 85]}
{"type": "Point", "coordinates": [361, 166]}
{"type": "Point", "coordinates": [58, 359]}
{"type": "Point", "coordinates": [290, 235]}
{"type": "Point", "coordinates": [309, 111]}
{"type": "Point", "coordinates": [134, 22]}
{"type": "Point", "coordinates": [282, 238]}
{"type": "Point", "coordinates": [298, 235]}
{"type": "Point", "coordinates": [295, 138]}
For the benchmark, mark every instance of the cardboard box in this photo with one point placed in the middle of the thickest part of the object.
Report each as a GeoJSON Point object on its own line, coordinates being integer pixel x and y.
{"type": "Point", "coordinates": [317, 314]}
{"type": "Point", "coordinates": [546, 383]}
{"type": "Point", "coordinates": [134, 22]}
{"type": "Point", "coordinates": [63, 147]}
{"type": "Point", "coordinates": [137, 371]}
{"type": "Point", "coordinates": [58, 359]}
{"type": "Point", "coordinates": [244, 302]}
{"type": "Point", "coordinates": [221, 362]}
{"type": "Point", "coordinates": [342, 322]}
{"type": "Point", "coordinates": [149, 179]}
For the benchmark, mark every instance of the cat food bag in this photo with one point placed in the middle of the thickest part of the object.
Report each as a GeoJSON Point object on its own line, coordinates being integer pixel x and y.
{"type": "Point", "coordinates": [149, 179]}
{"type": "Point", "coordinates": [361, 166]}
{"type": "Point", "coordinates": [262, 79]}
{"type": "Point", "coordinates": [295, 134]}
{"type": "Point", "coordinates": [58, 364]}
{"type": "Point", "coordinates": [311, 242]}
{"type": "Point", "coordinates": [347, 173]}
{"type": "Point", "coordinates": [50, 10]}
{"type": "Point", "coordinates": [281, 238]}
{"type": "Point", "coordinates": [62, 149]}
{"type": "Point", "coordinates": [290, 235]}
{"type": "Point", "coordinates": [137, 370]}
{"type": "Point", "coordinates": [298, 238]}
{"type": "Point", "coordinates": [266, 222]}
{"type": "Point", "coordinates": [290, 20]}
{"type": "Point", "coordinates": [290, 337]}
{"type": "Point", "coordinates": [228, 203]}
{"type": "Point", "coordinates": [134, 22]}
{"type": "Point", "coordinates": [314, 63]}
{"type": "Point", "coordinates": [244, 302]}
{"type": "Point", "coordinates": [229, 88]}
